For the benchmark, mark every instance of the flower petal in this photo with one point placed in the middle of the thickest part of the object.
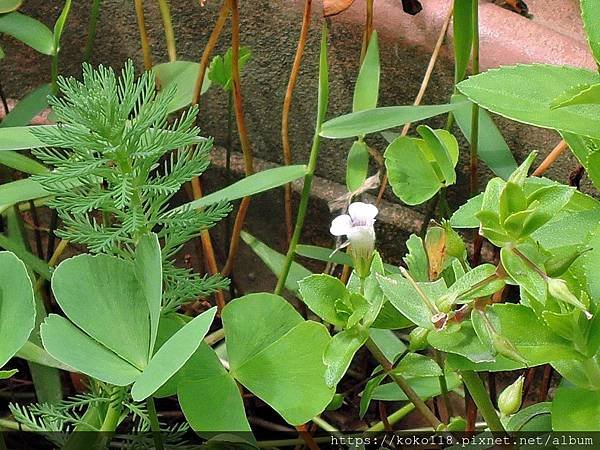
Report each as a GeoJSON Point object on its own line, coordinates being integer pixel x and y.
{"type": "Point", "coordinates": [362, 213]}
{"type": "Point", "coordinates": [341, 225]}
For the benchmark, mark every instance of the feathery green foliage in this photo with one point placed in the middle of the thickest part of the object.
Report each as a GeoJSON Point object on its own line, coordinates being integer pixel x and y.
{"type": "Point", "coordinates": [118, 163]}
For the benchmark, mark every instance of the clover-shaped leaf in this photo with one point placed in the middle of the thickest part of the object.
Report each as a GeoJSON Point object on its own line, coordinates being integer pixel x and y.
{"type": "Point", "coordinates": [17, 308]}
{"type": "Point", "coordinates": [112, 308]}
{"type": "Point", "coordinates": [278, 355]}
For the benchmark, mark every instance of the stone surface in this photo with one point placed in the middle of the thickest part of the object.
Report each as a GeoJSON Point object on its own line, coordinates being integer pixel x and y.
{"type": "Point", "coordinates": [271, 29]}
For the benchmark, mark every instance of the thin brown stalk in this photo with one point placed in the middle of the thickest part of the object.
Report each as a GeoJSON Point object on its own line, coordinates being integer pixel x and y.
{"type": "Point", "coordinates": [208, 49]}
{"type": "Point", "coordinates": [285, 116]}
{"type": "Point", "coordinates": [146, 51]}
{"type": "Point", "coordinates": [242, 132]}
{"type": "Point", "coordinates": [368, 29]}
{"type": "Point", "coordinates": [549, 160]}
{"type": "Point", "coordinates": [422, 90]}
{"type": "Point", "coordinates": [207, 247]}
{"type": "Point", "coordinates": [306, 436]}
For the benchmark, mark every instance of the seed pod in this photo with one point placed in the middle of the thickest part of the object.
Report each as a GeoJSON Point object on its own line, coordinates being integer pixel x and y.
{"type": "Point", "coordinates": [509, 401]}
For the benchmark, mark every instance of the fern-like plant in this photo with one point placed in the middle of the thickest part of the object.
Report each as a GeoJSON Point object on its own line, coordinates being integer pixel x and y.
{"type": "Point", "coordinates": [117, 163]}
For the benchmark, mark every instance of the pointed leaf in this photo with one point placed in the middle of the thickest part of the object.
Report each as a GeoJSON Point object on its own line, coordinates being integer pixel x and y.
{"type": "Point", "coordinates": [320, 293]}
{"type": "Point", "coordinates": [71, 346]}
{"type": "Point", "coordinates": [254, 184]}
{"type": "Point", "coordinates": [366, 90]}
{"type": "Point", "coordinates": [378, 119]}
{"type": "Point", "coordinates": [182, 75]}
{"type": "Point", "coordinates": [148, 270]}
{"type": "Point", "coordinates": [28, 107]}
{"type": "Point", "coordinates": [172, 355]}
{"type": "Point", "coordinates": [492, 148]}
{"type": "Point", "coordinates": [340, 352]}
{"type": "Point", "coordinates": [357, 167]}
{"type": "Point", "coordinates": [30, 31]}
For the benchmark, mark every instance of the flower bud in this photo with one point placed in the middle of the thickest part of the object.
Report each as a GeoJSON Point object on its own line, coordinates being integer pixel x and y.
{"type": "Point", "coordinates": [558, 289]}
{"type": "Point", "coordinates": [509, 400]}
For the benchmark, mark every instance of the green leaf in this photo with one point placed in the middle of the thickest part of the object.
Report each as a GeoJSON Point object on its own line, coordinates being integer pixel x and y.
{"type": "Point", "coordinates": [148, 271]}
{"type": "Point", "coordinates": [115, 311]}
{"type": "Point", "coordinates": [378, 119]}
{"type": "Point", "coordinates": [578, 95]}
{"type": "Point", "coordinates": [388, 342]}
{"type": "Point", "coordinates": [492, 148]}
{"type": "Point", "coordinates": [357, 167]}
{"type": "Point", "coordinates": [59, 26]}
{"type": "Point", "coordinates": [463, 37]}
{"type": "Point", "coordinates": [277, 355]}
{"type": "Point", "coordinates": [172, 355]}
{"type": "Point", "coordinates": [406, 299]}
{"type": "Point", "coordinates": [321, 293]}
{"type": "Point", "coordinates": [274, 261]}
{"type": "Point", "coordinates": [21, 162]}
{"type": "Point", "coordinates": [425, 388]}
{"type": "Point", "coordinates": [7, 6]}
{"type": "Point", "coordinates": [20, 191]}
{"type": "Point", "coordinates": [17, 306]}
{"type": "Point", "coordinates": [326, 254]}
{"type": "Point", "coordinates": [219, 71]}
{"type": "Point", "coordinates": [390, 318]}
{"type": "Point", "coordinates": [30, 31]}
{"type": "Point", "coordinates": [221, 408]}
{"type": "Point", "coordinates": [416, 259]}
{"type": "Point", "coordinates": [340, 352]}
{"type": "Point", "coordinates": [254, 184]}
{"type": "Point", "coordinates": [33, 262]}
{"type": "Point", "coordinates": [366, 90]}
{"type": "Point", "coordinates": [524, 275]}
{"type": "Point", "coordinates": [501, 91]}
{"type": "Point", "coordinates": [28, 107]}
{"type": "Point", "coordinates": [412, 177]}
{"type": "Point", "coordinates": [68, 344]}
{"type": "Point", "coordinates": [460, 340]}
{"type": "Point", "coordinates": [442, 146]}
{"type": "Point", "coordinates": [530, 418]}
{"type": "Point", "coordinates": [575, 409]}
{"type": "Point", "coordinates": [6, 374]}
{"type": "Point", "coordinates": [415, 365]}
{"type": "Point", "coordinates": [182, 75]}
{"type": "Point", "coordinates": [465, 288]}
{"type": "Point", "coordinates": [587, 151]}
{"type": "Point", "coordinates": [464, 217]}
{"type": "Point", "coordinates": [20, 138]}
{"type": "Point", "coordinates": [35, 354]}
{"type": "Point", "coordinates": [590, 11]}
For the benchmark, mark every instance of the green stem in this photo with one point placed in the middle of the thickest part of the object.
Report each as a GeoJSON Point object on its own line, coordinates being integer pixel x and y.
{"type": "Point", "coordinates": [154, 424]}
{"type": "Point", "coordinates": [403, 384]}
{"type": "Point", "coordinates": [312, 165]}
{"type": "Point", "coordinates": [2, 443]}
{"type": "Point", "coordinates": [482, 400]}
{"type": "Point", "coordinates": [54, 74]}
{"type": "Point", "coordinates": [111, 419]}
{"type": "Point", "coordinates": [92, 30]}
{"type": "Point", "coordinates": [393, 418]}
{"type": "Point", "coordinates": [165, 13]}
{"type": "Point", "coordinates": [324, 425]}
{"type": "Point", "coordinates": [474, 139]}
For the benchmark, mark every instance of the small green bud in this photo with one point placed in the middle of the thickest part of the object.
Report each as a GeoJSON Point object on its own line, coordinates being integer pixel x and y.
{"type": "Point", "coordinates": [455, 246]}
{"type": "Point", "coordinates": [557, 265]}
{"type": "Point", "coordinates": [417, 340]}
{"type": "Point", "coordinates": [558, 289]}
{"type": "Point", "coordinates": [509, 401]}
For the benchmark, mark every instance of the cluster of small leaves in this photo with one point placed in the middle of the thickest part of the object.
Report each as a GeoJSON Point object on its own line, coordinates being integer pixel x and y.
{"type": "Point", "coordinates": [117, 163]}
